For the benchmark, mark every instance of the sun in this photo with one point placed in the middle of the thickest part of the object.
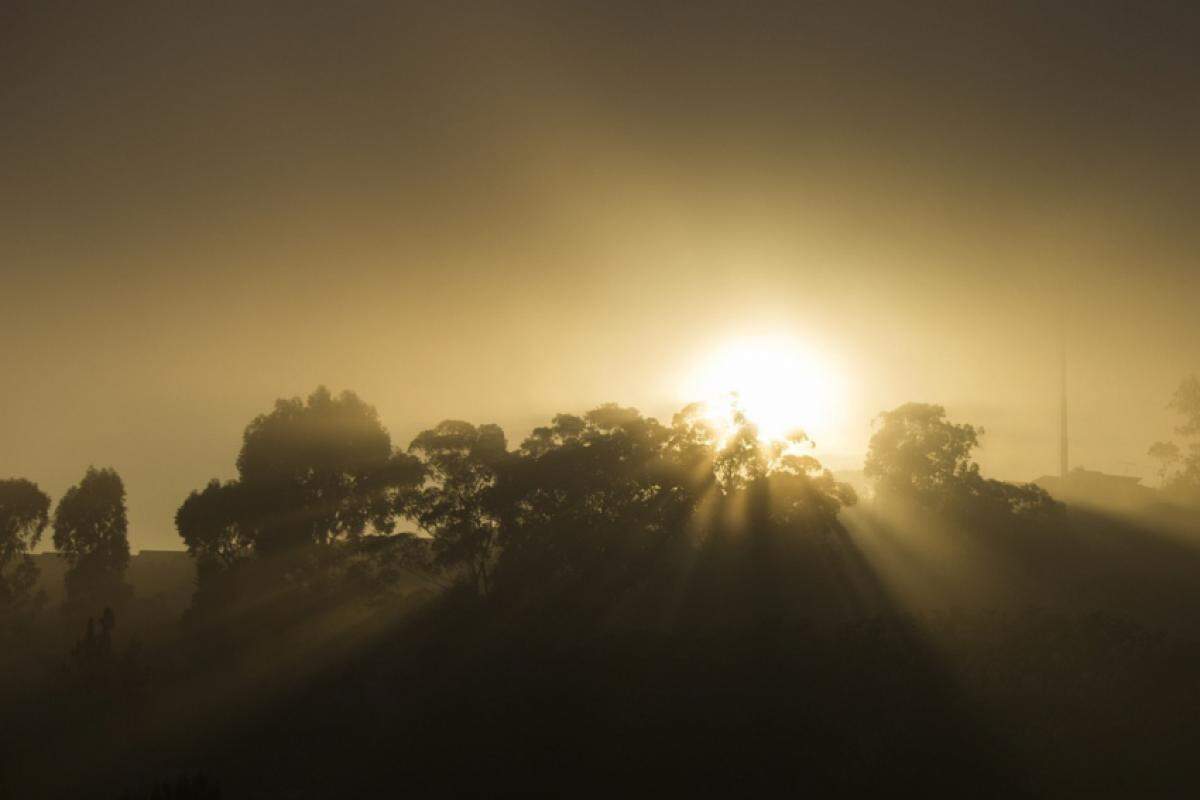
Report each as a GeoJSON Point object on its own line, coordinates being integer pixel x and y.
{"type": "Point", "coordinates": [779, 383]}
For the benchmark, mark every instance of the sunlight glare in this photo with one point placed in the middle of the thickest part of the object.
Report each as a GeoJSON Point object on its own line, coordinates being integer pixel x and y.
{"type": "Point", "coordinates": [778, 382]}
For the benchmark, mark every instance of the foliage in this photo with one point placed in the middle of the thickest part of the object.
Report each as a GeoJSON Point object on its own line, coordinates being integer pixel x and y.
{"type": "Point", "coordinates": [1179, 468]}
{"type": "Point", "coordinates": [600, 494]}
{"type": "Point", "coordinates": [673, 591]}
{"type": "Point", "coordinates": [382, 566]}
{"type": "Point", "coordinates": [213, 524]}
{"type": "Point", "coordinates": [91, 533]}
{"type": "Point", "coordinates": [312, 474]}
{"type": "Point", "coordinates": [460, 463]}
{"type": "Point", "coordinates": [588, 493]}
{"type": "Point", "coordinates": [918, 453]}
{"type": "Point", "coordinates": [317, 470]}
{"type": "Point", "coordinates": [24, 515]}
{"type": "Point", "coordinates": [1186, 403]}
{"type": "Point", "coordinates": [611, 500]}
{"type": "Point", "coordinates": [918, 456]}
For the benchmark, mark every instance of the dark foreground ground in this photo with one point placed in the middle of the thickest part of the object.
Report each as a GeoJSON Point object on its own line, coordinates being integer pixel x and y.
{"type": "Point", "coordinates": [947, 664]}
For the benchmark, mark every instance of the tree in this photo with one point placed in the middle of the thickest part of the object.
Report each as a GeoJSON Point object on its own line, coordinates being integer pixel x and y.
{"type": "Point", "coordinates": [1179, 470]}
{"type": "Point", "coordinates": [608, 499]}
{"type": "Point", "coordinates": [219, 535]}
{"type": "Point", "coordinates": [802, 493]}
{"type": "Point", "coordinates": [213, 524]}
{"type": "Point", "coordinates": [1186, 403]}
{"type": "Point", "coordinates": [455, 506]}
{"type": "Point", "coordinates": [592, 497]}
{"type": "Point", "coordinates": [794, 487]}
{"type": "Point", "coordinates": [310, 472]}
{"type": "Point", "coordinates": [91, 533]}
{"type": "Point", "coordinates": [316, 477]}
{"type": "Point", "coordinates": [1169, 456]}
{"type": "Point", "coordinates": [918, 456]}
{"type": "Point", "coordinates": [24, 515]}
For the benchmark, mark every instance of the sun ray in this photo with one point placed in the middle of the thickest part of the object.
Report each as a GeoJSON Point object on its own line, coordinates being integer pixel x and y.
{"type": "Point", "coordinates": [775, 382]}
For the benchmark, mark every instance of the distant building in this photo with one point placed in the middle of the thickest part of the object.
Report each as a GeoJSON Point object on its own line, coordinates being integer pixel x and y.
{"type": "Point", "coordinates": [168, 576]}
{"type": "Point", "coordinates": [1086, 487]}
{"type": "Point", "coordinates": [165, 574]}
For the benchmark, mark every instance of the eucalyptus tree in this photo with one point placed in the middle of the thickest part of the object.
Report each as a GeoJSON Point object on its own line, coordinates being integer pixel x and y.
{"type": "Point", "coordinates": [456, 503]}
{"type": "Point", "coordinates": [316, 471]}
{"type": "Point", "coordinates": [316, 478]}
{"type": "Point", "coordinates": [593, 496]}
{"type": "Point", "coordinates": [24, 515]}
{"type": "Point", "coordinates": [1180, 464]}
{"type": "Point", "coordinates": [91, 531]}
{"type": "Point", "coordinates": [919, 457]}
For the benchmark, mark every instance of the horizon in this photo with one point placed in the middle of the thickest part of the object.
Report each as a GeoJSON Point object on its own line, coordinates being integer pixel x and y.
{"type": "Point", "coordinates": [560, 396]}
{"type": "Point", "coordinates": [157, 513]}
{"type": "Point", "coordinates": [216, 208]}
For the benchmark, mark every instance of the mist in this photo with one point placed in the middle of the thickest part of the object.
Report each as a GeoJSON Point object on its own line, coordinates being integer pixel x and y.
{"type": "Point", "coordinates": [213, 208]}
{"type": "Point", "coordinates": [557, 221]}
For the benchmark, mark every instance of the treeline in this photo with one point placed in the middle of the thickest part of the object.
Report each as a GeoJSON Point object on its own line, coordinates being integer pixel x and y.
{"type": "Point", "coordinates": [600, 499]}
{"type": "Point", "coordinates": [319, 480]}
{"type": "Point", "coordinates": [612, 598]}
{"type": "Point", "coordinates": [90, 531]}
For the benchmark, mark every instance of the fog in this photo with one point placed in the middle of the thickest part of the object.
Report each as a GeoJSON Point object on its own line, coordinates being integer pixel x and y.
{"type": "Point", "coordinates": [495, 214]}
{"type": "Point", "coordinates": [499, 397]}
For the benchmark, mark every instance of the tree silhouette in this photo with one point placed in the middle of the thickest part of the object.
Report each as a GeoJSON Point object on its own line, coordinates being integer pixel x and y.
{"type": "Point", "coordinates": [590, 498]}
{"type": "Point", "coordinates": [318, 484]}
{"type": "Point", "coordinates": [317, 470]}
{"type": "Point", "coordinates": [213, 524]}
{"type": "Point", "coordinates": [219, 533]}
{"type": "Point", "coordinates": [918, 456]}
{"type": "Point", "coordinates": [608, 500]}
{"type": "Point", "coordinates": [311, 471]}
{"type": "Point", "coordinates": [1186, 402]}
{"type": "Point", "coordinates": [90, 531]}
{"type": "Point", "coordinates": [1179, 469]}
{"type": "Point", "coordinates": [24, 515]}
{"type": "Point", "coordinates": [454, 506]}
{"type": "Point", "coordinates": [1168, 455]}
{"type": "Point", "coordinates": [797, 487]}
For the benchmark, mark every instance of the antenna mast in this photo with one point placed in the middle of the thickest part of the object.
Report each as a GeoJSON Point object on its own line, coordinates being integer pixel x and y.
{"type": "Point", "coordinates": [1063, 458]}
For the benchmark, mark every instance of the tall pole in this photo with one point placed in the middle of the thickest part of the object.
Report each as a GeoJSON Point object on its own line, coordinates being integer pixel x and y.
{"type": "Point", "coordinates": [1063, 459]}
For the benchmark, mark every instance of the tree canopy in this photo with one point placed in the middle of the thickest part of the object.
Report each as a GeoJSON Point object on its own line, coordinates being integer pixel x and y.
{"type": "Point", "coordinates": [455, 506]}
{"type": "Point", "coordinates": [311, 471]}
{"type": "Point", "coordinates": [91, 532]}
{"type": "Point", "coordinates": [609, 496]}
{"type": "Point", "coordinates": [587, 493]}
{"type": "Point", "coordinates": [604, 498]}
{"type": "Point", "coordinates": [213, 523]}
{"type": "Point", "coordinates": [919, 456]}
{"type": "Point", "coordinates": [320, 469]}
{"type": "Point", "coordinates": [919, 453]}
{"type": "Point", "coordinates": [1179, 468]}
{"type": "Point", "coordinates": [24, 515]}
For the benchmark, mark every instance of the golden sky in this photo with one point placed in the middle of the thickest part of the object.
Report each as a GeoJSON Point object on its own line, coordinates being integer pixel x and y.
{"type": "Point", "coordinates": [501, 211]}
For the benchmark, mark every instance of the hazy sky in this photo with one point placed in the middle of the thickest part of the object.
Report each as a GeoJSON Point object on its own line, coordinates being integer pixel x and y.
{"type": "Point", "coordinates": [499, 211]}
